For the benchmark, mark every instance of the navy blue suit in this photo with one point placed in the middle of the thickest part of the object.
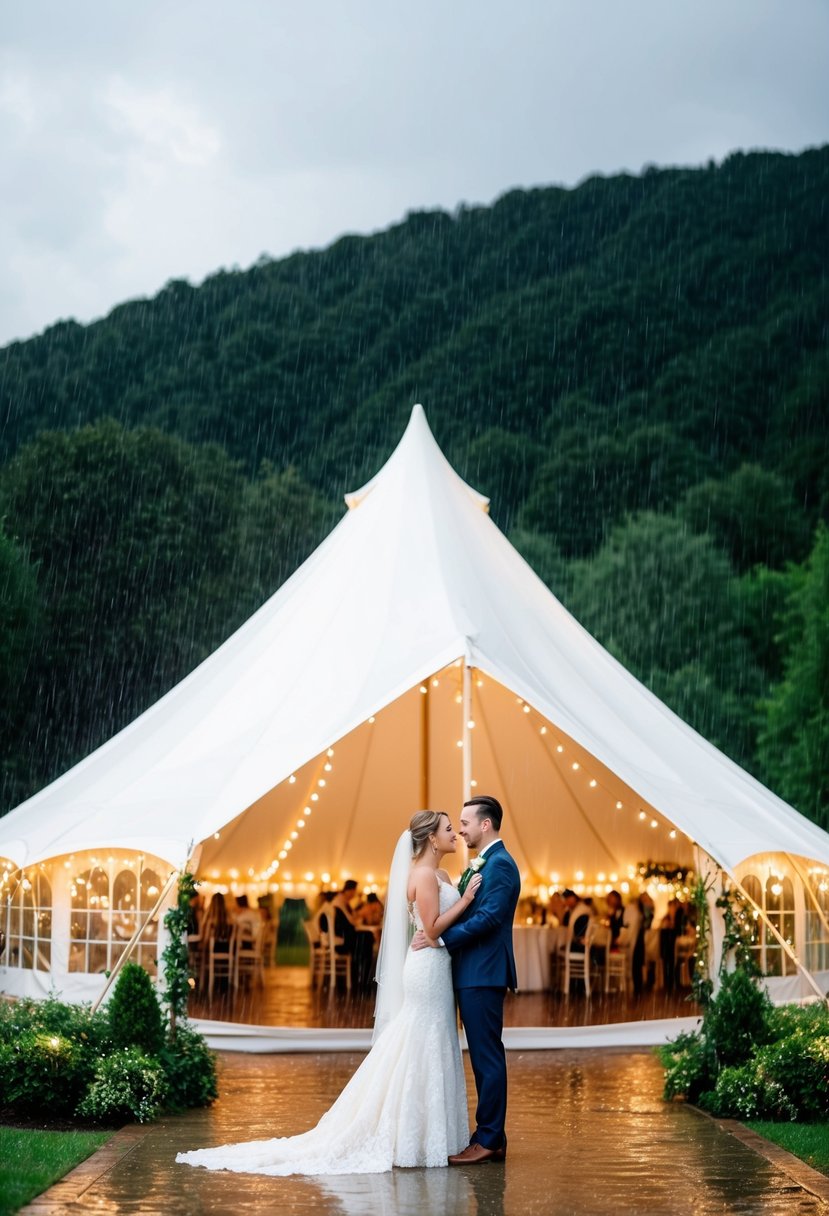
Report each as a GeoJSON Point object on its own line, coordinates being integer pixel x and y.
{"type": "Point", "coordinates": [483, 967]}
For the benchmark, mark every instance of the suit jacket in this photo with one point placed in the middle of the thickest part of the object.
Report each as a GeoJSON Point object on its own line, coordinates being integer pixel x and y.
{"type": "Point", "coordinates": [480, 941]}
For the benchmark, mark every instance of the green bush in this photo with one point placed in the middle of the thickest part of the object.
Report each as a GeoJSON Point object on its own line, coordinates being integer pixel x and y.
{"type": "Point", "coordinates": [134, 1012]}
{"type": "Point", "coordinates": [127, 1085]}
{"type": "Point", "coordinates": [190, 1068]}
{"type": "Point", "coordinates": [792, 1019]}
{"type": "Point", "coordinates": [41, 1071]}
{"type": "Point", "coordinates": [736, 1020]}
{"type": "Point", "coordinates": [793, 1075]}
{"type": "Point", "coordinates": [690, 1066]}
{"type": "Point", "coordinates": [736, 1094]}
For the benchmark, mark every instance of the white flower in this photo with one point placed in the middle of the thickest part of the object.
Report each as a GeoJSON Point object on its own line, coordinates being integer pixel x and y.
{"type": "Point", "coordinates": [476, 863]}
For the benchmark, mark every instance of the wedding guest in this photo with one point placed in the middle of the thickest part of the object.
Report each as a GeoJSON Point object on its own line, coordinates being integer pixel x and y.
{"type": "Point", "coordinates": [670, 928]}
{"type": "Point", "coordinates": [638, 917]}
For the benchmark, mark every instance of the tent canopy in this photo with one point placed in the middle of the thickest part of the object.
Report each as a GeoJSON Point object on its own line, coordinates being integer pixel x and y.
{"type": "Point", "coordinates": [415, 583]}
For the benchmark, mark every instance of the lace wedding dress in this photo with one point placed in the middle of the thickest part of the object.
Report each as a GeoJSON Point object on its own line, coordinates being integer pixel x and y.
{"type": "Point", "coordinates": [405, 1104]}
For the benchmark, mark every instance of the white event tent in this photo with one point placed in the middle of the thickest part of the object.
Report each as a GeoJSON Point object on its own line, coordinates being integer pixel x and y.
{"type": "Point", "coordinates": [413, 658]}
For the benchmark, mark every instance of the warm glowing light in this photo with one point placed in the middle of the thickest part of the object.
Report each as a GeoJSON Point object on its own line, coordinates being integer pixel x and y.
{"type": "Point", "coordinates": [325, 877]}
{"type": "Point", "coordinates": [315, 797]}
{"type": "Point", "coordinates": [328, 767]}
{"type": "Point", "coordinates": [579, 875]}
{"type": "Point", "coordinates": [618, 806]}
{"type": "Point", "coordinates": [601, 876]}
{"type": "Point", "coordinates": [424, 689]}
{"type": "Point", "coordinates": [473, 783]}
{"type": "Point", "coordinates": [642, 815]}
{"type": "Point", "coordinates": [216, 835]}
{"type": "Point", "coordinates": [654, 824]}
{"type": "Point", "coordinates": [309, 877]}
{"type": "Point", "coordinates": [526, 709]}
{"type": "Point", "coordinates": [560, 748]}
{"type": "Point", "coordinates": [672, 833]}
{"type": "Point", "coordinates": [321, 783]}
{"type": "Point", "coordinates": [283, 854]}
{"type": "Point", "coordinates": [300, 823]}
{"type": "Point", "coordinates": [371, 719]}
{"type": "Point", "coordinates": [435, 682]}
{"type": "Point", "coordinates": [459, 743]}
{"type": "Point", "coordinates": [291, 779]}
{"type": "Point", "coordinates": [543, 730]}
{"type": "Point", "coordinates": [471, 724]}
{"type": "Point", "coordinates": [294, 835]}
{"type": "Point", "coordinates": [576, 766]}
{"type": "Point", "coordinates": [593, 783]}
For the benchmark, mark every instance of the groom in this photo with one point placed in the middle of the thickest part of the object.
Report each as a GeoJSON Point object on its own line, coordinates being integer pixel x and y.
{"type": "Point", "coordinates": [483, 967]}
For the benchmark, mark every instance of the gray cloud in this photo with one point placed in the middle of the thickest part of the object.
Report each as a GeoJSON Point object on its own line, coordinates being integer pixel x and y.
{"type": "Point", "coordinates": [151, 141]}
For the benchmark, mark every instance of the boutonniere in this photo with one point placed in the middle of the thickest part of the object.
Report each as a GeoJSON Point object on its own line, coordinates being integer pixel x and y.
{"type": "Point", "coordinates": [476, 864]}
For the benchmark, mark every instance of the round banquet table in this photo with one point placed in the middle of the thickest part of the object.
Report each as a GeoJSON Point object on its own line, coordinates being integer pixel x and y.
{"type": "Point", "coordinates": [533, 945]}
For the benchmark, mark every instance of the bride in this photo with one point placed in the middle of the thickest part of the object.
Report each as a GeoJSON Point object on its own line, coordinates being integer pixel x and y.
{"type": "Point", "coordinates": [406, 1103]}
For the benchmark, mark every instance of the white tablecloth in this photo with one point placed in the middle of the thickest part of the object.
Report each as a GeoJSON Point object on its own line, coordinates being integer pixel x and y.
{"type": "Point", "coordinates": [533, 945]}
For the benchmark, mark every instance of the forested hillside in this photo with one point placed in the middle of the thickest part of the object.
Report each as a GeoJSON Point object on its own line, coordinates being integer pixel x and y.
{"type": "Point", "coordinates": [636, 371]}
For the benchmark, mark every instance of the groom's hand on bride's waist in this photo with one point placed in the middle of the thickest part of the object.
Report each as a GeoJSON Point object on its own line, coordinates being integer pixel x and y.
{"type": "Point", "coordinates": [420, 941]}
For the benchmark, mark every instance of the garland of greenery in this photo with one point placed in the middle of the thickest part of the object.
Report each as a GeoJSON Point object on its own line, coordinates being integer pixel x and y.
{"type": "Point", "coordinates": [739, 933]}
{"type": "Point", "coordinates": [702, 986]}
{"type": "Point", "coordinates": [665, 871]}
{"type": "Point", "coordinates": [178, 979]}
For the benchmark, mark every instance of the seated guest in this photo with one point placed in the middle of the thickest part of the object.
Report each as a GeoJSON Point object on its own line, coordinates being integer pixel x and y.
{"type": "Point", "coordinates": [371, 912]}
{"type": "Point", "coordinates": [217, 925]}
{"type": "Point", "coordinates": [350, 939]}
{"type": "Point", "coordinates": [578, 915]}
{"type": "Point", "coordinates": [615, 916]}
{"type": "Point", "coordinates": [248, 916]}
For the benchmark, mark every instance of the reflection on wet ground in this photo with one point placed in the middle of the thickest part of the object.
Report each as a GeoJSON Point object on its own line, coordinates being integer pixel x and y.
{"type": "Point", "coordinates": [287, 999]}
{"type": "Point", "coordinates": [589, 1134]}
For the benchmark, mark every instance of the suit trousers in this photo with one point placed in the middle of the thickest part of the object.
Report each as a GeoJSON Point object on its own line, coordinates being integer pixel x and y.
{"type": "Point", "coordinates": [482, 1014]}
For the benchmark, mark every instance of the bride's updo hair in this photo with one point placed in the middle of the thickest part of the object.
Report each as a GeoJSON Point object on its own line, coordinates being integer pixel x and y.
{"type": "Point", "coordinates": [423, 825]}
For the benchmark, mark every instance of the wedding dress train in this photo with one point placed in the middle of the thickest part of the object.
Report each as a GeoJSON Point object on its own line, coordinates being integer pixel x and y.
{"type": "Point", "coordinates": [405, 1104]}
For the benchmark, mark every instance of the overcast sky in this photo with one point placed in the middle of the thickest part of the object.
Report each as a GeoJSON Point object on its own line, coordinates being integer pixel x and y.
{"type": "Point", "coordinates": [166, 138]}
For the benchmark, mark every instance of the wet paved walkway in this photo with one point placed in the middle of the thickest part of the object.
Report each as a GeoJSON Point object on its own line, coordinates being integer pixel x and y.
{"type": "Point", "coordinates": [589, 1134]}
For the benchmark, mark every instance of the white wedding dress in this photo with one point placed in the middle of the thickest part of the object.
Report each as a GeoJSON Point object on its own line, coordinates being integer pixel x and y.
{"type": "Point", "coordinates": [405, 1104]}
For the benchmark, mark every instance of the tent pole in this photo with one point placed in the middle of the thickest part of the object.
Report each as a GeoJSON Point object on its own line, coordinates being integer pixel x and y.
{"type": "Point", "coordinates": [424, 746]}
{"type": "Point", "coordinates": [807, 888]}
{"type": "Point", "coordinates": [781, 941]}
{"type": "Point", "coordinates": [467, 731]}
{"type": "Point", "coordinates": [133, 942]}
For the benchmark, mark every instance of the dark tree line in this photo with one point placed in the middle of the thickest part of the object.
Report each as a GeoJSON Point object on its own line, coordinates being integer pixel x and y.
{"type": "Point", "coordinates": [636, 371]}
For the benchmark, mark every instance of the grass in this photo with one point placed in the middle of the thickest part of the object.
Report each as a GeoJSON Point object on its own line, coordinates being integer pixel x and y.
{"type": "Point", "coordinates": [808, 1141]}
{"type": "Point", "coordinates": [30, 1161]}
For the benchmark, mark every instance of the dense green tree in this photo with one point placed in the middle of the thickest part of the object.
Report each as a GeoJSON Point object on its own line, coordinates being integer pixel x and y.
{"type": "Point", "coordinates": [149, 552]}
{"type": "Point", "coordinates": [751, 514]}
{"type": "Point", "coordinates": [663, 601]}
{"type": "Point", "coordinates": [590, 481]}
{"type": "Point", "coordinates": [794, 739]}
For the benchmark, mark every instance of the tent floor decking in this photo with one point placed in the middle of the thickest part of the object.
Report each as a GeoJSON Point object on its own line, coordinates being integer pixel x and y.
{"type": "Point", "coordinates": [287, 999]}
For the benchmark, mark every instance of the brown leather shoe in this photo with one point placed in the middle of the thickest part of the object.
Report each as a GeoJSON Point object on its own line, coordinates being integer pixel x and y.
{"type": "Point", "coordinates": [476, 1154]}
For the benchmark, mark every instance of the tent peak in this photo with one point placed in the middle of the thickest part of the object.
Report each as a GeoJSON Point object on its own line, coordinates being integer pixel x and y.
{"type": "Point", "coordinates": [417, 441]}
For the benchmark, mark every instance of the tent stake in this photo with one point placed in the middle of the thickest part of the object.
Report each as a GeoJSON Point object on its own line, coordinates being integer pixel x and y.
{"type": "Point", "coordinates": [132, 943]}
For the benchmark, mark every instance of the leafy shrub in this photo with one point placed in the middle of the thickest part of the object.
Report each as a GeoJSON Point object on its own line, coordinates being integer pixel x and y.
{"type": "Point", "coordinates": [793, 1074]}
{"type": "Point", "coordinates": [736, 1094]}
{"type": "Point", "coordinates": [736, 1019]}
{"type": "Point", "coordinates": [42, 1071]}
{"type": "Point", "coordinates": [190, 1068]}
{"type": "Point", "coordinates": [791, 1019]}
{"type": "Point", "coordinates": [127, 1085]}
{"type": "Point", "coordinates": [134, 1012]}
{"type": "Point", "coordinates": [690, 1066]}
